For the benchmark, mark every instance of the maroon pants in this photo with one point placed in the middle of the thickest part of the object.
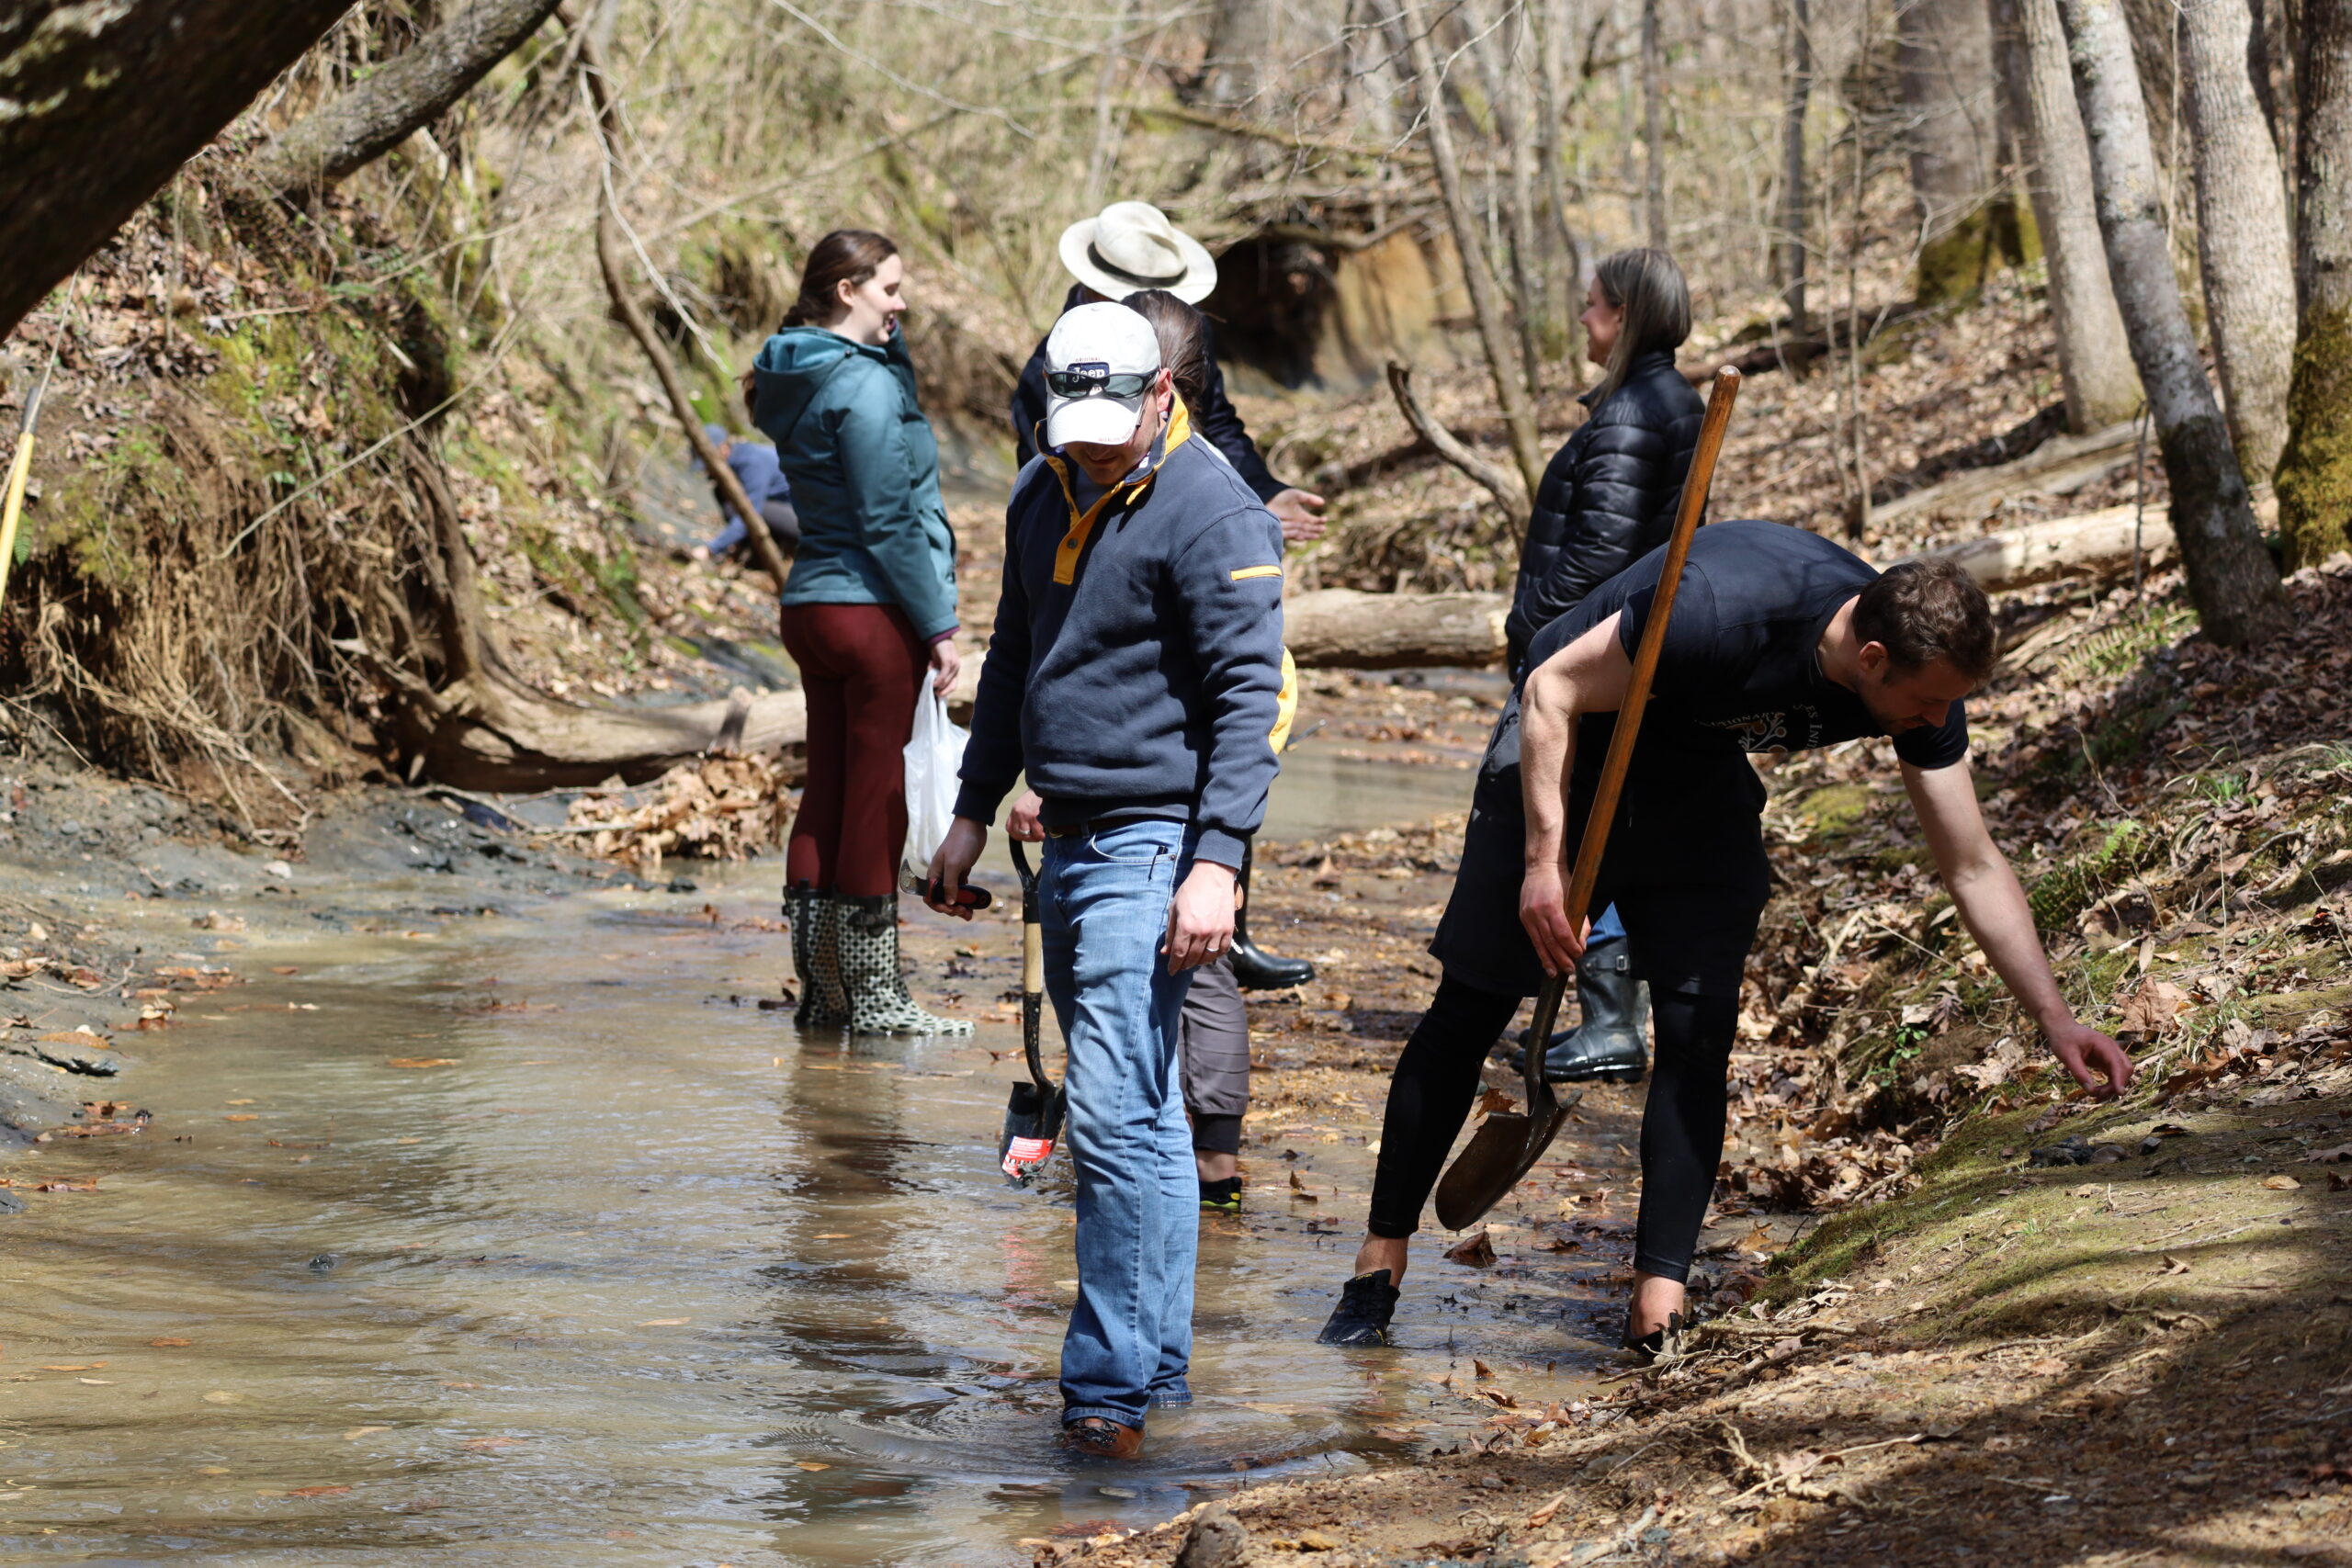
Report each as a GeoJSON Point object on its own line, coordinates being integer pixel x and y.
{"type": "Point", "coordinates": [861, 668]}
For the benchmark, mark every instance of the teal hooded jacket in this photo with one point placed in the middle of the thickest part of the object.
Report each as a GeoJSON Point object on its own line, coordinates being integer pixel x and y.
{"type": "Point", "coordinates": [865, 471]}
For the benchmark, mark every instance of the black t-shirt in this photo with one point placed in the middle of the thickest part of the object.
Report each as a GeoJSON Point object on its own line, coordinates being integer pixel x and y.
{"type": "Point", "coordinates": [1739, 671]}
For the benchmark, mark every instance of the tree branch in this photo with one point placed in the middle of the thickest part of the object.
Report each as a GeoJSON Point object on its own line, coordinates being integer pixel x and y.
{"type": "Point", "coordinates": [612, 260]}
{"type": "Point", "coordinates": [1497, 483]}
{"type": "Point", "coordinates": [350, 131]}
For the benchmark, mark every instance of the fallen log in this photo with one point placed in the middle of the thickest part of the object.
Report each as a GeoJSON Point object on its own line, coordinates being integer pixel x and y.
{"type": "Point", "coordinates": [480, 727]}
{"type": "Point", "coordinates": [2096, 544]}
{"type": "Point", "coordinates": [2059, 466]}
{"type": "Point", "coordinates": [1341, 629]}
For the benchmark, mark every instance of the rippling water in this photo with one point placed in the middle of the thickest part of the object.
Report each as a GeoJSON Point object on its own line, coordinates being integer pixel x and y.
{"type": "Point", "coordinates": [636, 1275]}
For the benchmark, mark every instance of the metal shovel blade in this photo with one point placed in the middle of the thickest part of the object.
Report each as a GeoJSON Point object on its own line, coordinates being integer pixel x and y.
{"type": "Point", "coordinates": [1032, 1119]}
{"type": "Point", "coordinates": [1505, 1148]}
{"type": "Point", "coordinates": [1508, 1143]}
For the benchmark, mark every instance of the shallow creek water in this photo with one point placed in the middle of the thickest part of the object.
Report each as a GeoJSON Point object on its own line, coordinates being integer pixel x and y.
{"type": "Point", "coordinates": [631, 1274]}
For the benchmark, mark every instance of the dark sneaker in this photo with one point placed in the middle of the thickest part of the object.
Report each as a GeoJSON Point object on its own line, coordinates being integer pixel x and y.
{"type": "Point", "coordinates": [1221, 1197]}
{"type": "Point", "coordinates": [1361, 1320]}
{"type": "Point", "coordinates": [1092, 1436]}
{"type": "Point", "coordinates": [1659, 1345]}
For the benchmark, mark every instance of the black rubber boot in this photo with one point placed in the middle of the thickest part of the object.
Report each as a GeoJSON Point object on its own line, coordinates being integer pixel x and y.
{"type": "Point", "coordinates": [1608, 1045]}
{"type": "Point", "coordinates": [1255, 969]}
{"type": "Point", "coordinates": [1361, 1320]}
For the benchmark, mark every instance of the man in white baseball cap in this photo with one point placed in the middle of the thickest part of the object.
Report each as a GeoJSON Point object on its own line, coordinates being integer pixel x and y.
{"type": "Point", "coordinates": [1134, 678]}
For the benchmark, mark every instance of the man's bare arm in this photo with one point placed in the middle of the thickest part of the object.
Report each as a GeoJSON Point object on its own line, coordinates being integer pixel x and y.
{"type": "Point", "coordinates": [1590, 675]}
{"type": "Point", "coordinates": [1995, 909]}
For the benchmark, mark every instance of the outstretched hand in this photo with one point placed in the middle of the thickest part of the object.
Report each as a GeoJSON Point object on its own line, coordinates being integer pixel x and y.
{"type": "Point", "coordinates": [1544, 910]}
{"type": "Point", "coordinates": [2099, 1063]}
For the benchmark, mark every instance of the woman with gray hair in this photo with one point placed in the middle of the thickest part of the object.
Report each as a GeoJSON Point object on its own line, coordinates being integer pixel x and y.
{"type": "Point", "coordinates": [1607, 499]}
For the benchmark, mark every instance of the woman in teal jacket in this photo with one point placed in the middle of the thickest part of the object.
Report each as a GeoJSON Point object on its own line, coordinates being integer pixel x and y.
{"type": "Point", "coordinates": [869, 611]}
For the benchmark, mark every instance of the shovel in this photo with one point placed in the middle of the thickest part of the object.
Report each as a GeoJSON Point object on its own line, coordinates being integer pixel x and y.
{"type": "Point", "coordinates": [1508, 1143]}
{"type": "Point", "coordinates": [1033, 1118]}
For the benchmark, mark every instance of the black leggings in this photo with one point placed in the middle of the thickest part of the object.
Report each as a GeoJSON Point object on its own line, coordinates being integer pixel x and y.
{"type": "Point", "coordinates": [1682, 1124]}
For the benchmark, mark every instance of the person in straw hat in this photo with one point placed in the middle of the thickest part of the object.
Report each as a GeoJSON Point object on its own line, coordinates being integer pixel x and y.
{"type": "Point", "coordinates": [1129, 248]}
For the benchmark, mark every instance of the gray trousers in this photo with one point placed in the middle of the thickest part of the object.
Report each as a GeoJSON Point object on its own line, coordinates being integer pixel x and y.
{"type": "Point", "coordinates": [1216, 1050]}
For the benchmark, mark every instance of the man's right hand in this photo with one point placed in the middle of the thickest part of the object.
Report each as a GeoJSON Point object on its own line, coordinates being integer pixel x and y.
{"type": "Point", "coordinates": [1544, 910]}
{"type": "Point", "coordinates": [1024, 821]}
{"type": "Point", "coordinates": [958, 853]}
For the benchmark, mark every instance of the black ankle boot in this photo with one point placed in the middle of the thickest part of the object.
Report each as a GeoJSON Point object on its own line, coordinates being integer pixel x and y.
{"type": "Point", "coordinates": [1608, 1045]}
{"type": "Point", "coordinates": [1255, 969]}
{"type": "Point", "coordinates": [1361, 1320]}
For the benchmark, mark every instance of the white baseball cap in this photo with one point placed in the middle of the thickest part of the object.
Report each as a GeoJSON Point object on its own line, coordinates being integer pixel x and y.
{"type": "Point", "coordinates": [1095, 356]}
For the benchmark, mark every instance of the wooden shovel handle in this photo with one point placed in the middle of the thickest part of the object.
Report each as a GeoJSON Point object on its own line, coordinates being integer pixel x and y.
{"type": "Point", "coordinates": [1720, 399]}
{"type": "Point", "coordinates": [1595, 842]}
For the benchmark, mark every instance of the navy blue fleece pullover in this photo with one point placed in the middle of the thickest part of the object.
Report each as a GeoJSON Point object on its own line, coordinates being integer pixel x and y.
{"type": "Point", "coordinates": [1136, 663]}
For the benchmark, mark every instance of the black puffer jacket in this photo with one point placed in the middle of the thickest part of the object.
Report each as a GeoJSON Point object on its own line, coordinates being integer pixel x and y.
{"type": "Point", "coordinates": [1607, 496]}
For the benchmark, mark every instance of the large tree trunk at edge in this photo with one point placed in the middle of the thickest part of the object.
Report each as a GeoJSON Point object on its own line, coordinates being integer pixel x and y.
{"type": "Point", "coordinates": [2094, 356]}
{"type": "Point", "coordinates": [349, 132]}
{"type": "Point", "coordinates": [1789, 252]}
{"type": "Point", "coordinates": [2231, 578]}
{"type": "Point", "coordinates": [2315, 475]}
{"type": "Point", "coordinates": [106, 102]}
{"type": "Point", "coordinates": [1944, 56]}
{"type": "Point", "coordinates": [2244, 254]}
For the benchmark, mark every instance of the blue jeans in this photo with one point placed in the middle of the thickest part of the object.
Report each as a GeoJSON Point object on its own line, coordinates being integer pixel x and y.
{"type": "Point", "coordinates": [1106, 911]}
{"type": "Point", "coordinates": [1608, 925]}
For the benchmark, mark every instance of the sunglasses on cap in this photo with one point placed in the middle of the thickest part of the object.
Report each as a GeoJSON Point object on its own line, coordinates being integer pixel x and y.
{"type": "Point", "coordinates": [1096, 381]}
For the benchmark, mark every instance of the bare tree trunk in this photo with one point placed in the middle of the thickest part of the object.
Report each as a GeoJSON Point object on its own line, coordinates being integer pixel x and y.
{"type": "Point", "coordinates": [2094, 356]}
{"type": "Point", "coordinates": [1944, 56]}
{"type": "Point", "coordinates": [351, 131]}
{"type": "Point", "coordinates": [1241, 51]}
{"type": "Point", "coordinates": [2315, 475]}
{"type": "Point", "coordinates": [612, 260]}
{"type": "Point", "coordinates": [2231, 578]}
{"type": "Point", "coordinates": [1793, 198]}
{"type": "Point", "coordinates": [1497, 483]}
{"type": "Point", "coordinates": [1510, 392]}
{"type": "Point", "coordinates": [1653, 130]}
{"type": "Point", "coordinates": [105, 102]}
{"type": "Point", "coordinates": [2244, 254]}
{"type": "Point", "coordinates": [1551, 65]}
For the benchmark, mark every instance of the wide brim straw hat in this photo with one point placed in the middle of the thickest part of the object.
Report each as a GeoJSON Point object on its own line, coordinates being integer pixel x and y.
{"type": "Point", "coordinates": [1131, 246]}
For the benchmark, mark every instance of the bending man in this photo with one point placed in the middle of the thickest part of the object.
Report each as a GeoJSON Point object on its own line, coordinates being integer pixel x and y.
{"type": "Point", "coordinates": [1780, 641]}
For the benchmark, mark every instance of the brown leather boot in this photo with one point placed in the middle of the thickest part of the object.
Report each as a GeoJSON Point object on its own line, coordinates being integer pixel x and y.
{"type": "Point", "coordinates": [1092, 1436]}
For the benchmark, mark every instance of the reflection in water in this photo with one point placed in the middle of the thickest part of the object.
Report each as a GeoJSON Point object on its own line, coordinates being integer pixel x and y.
{"type": "Point", "coordinates": [636, 1277]}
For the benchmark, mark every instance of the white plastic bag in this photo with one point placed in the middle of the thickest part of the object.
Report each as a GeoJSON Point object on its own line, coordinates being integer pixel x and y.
{"type": "Point", "coordinates": [934, 751]}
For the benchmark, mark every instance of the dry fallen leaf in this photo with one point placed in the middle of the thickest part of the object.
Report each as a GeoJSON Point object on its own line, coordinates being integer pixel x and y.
{"type": "Point", "coordinates": [489, 1445]}
{"type": "Point", "coordinates": [812, 1464]}
{"type": "Point", "coordinates": [832, 1235]}
{"type": "Point", "coordinates": [2330, 1156]}
{"type": "Point", "coordinates": [316, 1491]}
{"type": "Point", "coordinates": [2049, 1367]}
{"type": "Point", "coordinates": [2152, 1007]}
{"type": "Point", "coordinates": [424, 1061]}
{"type": "Point", "coordinates": [240, 1116]}
{"type": "Point", "coordinates": [1477, 1251]}
{"type": "Point", "coordinates": [2280, 1183]}
{"type": "Point", "coordinates": [169, 1342]}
